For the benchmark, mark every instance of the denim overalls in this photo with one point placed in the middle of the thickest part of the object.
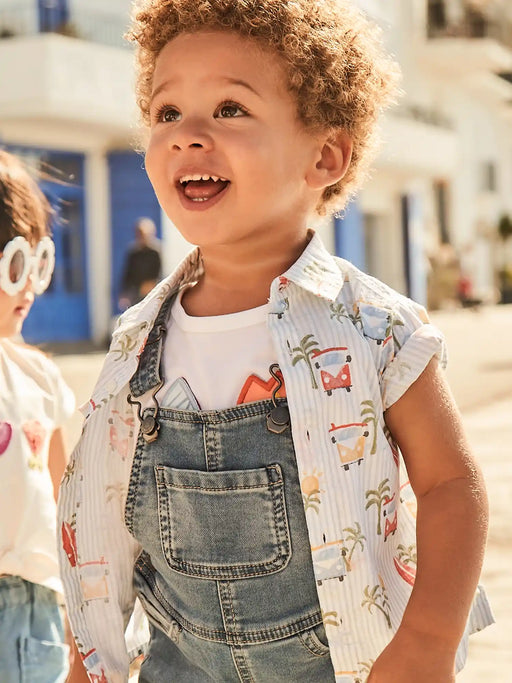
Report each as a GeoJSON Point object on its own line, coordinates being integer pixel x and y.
{"type": "Point", "coordinates": [225, 575]}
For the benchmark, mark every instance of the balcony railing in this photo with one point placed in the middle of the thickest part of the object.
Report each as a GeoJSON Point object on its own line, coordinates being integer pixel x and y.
{"type": "Point", "coordinates": [473, 25]}
{"type": "Point", "coordinates": [97, 27]}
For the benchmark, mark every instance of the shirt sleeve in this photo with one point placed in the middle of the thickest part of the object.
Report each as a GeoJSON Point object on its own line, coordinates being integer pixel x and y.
{"type": "Point", "coordinates": [96, 552]}
{"type": "Point", "coordinates": [414, 342]}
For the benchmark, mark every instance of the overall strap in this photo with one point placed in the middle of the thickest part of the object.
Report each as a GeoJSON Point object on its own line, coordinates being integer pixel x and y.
{"type": "Point", "coordinates": [147, 375]}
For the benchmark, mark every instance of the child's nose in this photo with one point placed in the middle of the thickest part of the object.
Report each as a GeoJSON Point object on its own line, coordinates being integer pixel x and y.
{"type": "Point", "coordinates": [29, 284]}
{"type": "Point", "coordinates": [192, 133]}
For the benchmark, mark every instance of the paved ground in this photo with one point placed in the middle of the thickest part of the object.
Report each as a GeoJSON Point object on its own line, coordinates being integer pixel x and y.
{"type": "Point", "coordinates": [480, 374]}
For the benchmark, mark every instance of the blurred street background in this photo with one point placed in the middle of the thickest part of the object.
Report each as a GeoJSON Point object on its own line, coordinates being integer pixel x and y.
{"type": "Point", "coordinates": [480, 375]}
{"type": "Point", "coordinates": [434, 220]}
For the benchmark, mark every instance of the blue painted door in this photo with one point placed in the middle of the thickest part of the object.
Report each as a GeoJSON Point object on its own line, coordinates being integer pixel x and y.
{"type": "Point", "coordinates": [62, 313]}
{"type": "Point", "coordinates": [52, 14]}
{"type": "Point", "coordinates": [131, 197]}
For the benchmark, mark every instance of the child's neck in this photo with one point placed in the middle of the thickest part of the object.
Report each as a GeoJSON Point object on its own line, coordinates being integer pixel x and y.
{"type": "Point", "coordinates": [237, 282]}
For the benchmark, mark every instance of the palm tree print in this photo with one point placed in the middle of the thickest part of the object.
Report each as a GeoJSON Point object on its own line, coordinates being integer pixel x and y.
{"type": "Point", "coordinates": [396, 322]}
{"type": "Point", "coordinates": [356, 538]}
{"type": "Point", "coordinates": [330, 618]}
{"type": "Point", "coordinates": [310, 487]}
{"type": "Point", "coordinates": [308, 345]}
{"type": "Point", "coordinates": [407, 555]}
{"type": "Point", "coordinates": [125, 347]}
{"type": "Point", "coordinates": [377, 597]}
{"type": "Point", "coordinates": [339, 311]}
{"type": "Point", "coordinates": [369, 416]}
{"type": "Point", "coordinates": [116, 491]}
{"type": "Point", "coordinates": [70, 469]}
{"type": "Point", "coordinates": [364, 670]}
{"type": "Point", "coordinates": [377, 497]}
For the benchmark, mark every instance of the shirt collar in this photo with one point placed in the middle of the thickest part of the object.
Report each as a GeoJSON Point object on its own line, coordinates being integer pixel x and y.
{"type": "Point", "coordinates": [315, 270]}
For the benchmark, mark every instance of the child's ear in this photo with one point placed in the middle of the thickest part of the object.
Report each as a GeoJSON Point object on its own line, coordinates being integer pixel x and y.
{"type": "Point", "coordinates": [332, 162]}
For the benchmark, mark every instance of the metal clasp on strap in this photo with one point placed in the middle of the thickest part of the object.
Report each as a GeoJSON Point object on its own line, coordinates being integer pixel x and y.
{"type": "Point", "coordinates": [149, 424]}
{"type": "Point", "coordinates": [279, 417]}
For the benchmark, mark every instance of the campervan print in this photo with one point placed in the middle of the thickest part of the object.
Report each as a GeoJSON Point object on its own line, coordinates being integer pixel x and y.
{"type": "Point", "coordinates": [376, 323]}
{"type": "Point", "coordinates": [334, 559]}
{"type": "Point", "coordinates": [333, 367]}
{"type": "Point", "coordinates": [328, 560]}
{"type": "Point", "coordinates": [349, 440]}
{"type": "Point", "coordinates": [390, 514]}
{"type": "Point", "coordinates": [93, 580]}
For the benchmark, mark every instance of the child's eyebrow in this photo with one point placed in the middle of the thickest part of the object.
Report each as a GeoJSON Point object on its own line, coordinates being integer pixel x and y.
{"type": "Point", "coordinates": [226, 79]}
{"type": "Point", "coordinates": [161, 87]}
{"type": "Point", "coordinates": [243, 84]}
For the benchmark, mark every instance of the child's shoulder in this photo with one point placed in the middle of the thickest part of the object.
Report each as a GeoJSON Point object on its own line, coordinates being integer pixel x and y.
{"type": "Point", "coordinates": [32, 360]}
{"type": "Point", "coordinates": [368, 293]}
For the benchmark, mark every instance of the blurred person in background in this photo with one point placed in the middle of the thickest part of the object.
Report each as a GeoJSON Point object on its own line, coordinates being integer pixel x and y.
{"type": "Point", "coordinates": [143, 264]}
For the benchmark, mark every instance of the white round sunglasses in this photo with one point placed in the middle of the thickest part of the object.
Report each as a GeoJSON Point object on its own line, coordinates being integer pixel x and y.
{"type": "Point", "coordinates": [18, 261]}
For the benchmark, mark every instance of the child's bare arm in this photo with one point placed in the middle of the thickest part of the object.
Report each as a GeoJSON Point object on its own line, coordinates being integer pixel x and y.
{"type": "Point", "coordinates": [57, 459]}
{"type": "Point", "coordinates": [451, 532]}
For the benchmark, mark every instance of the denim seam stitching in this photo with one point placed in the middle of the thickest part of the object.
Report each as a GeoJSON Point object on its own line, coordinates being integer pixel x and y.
{"type": "Point", "coordinates": [270, 566]}
{"type": "Point", "coordinates": [249, 637]}
{"type": "Point", "coordinates": [304, 637]}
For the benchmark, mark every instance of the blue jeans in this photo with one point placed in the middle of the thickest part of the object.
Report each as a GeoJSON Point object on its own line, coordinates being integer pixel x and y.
{"type": "Point", "coordinates": [32, 648]}
{"type": "Point", "coordinates": [225, 575]}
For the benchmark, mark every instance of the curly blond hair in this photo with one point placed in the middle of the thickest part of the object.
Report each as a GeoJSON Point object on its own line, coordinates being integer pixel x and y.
{"type": "Point", "coordinates": [337, 71]}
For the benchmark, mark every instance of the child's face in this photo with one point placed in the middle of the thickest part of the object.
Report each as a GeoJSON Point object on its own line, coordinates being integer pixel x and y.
{"type": "Point", "coordinates": [221, 111]}
{"type": "Point", "coordinates": [14, 309]}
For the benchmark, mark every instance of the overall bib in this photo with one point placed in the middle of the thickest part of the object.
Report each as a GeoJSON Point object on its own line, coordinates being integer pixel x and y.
{"type": "Point", "coordinates": [225, 575]}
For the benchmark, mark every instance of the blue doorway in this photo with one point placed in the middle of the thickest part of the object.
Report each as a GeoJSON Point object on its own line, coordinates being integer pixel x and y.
{"type": "Point", "coordinates": [61, 314]}
{"type": "Point", "coordinates": [53, 15]}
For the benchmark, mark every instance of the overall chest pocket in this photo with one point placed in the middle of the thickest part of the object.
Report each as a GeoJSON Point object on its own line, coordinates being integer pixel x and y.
{"type": "Point", "coordinates": [223, 525]}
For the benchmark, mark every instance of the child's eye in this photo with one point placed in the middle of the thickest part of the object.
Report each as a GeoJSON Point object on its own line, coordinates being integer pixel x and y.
{"type": "Point", "coordinates": [230, 110]}
{"type": "Point", "coordinates": [167, 114]}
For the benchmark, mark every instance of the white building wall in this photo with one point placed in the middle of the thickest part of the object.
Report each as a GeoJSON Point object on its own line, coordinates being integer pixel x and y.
{"type": "Point", "coordinates": [455, 80]}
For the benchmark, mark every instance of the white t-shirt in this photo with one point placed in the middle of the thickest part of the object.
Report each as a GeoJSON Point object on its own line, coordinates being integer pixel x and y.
{"type": "Point", "coordinates": [207, 353]}
{"type": "Point", "coordinates": [34, 401]}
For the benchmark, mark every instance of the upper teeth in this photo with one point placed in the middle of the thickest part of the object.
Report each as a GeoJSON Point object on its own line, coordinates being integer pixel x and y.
{"type": "Point", "coordinates": [198, 176]}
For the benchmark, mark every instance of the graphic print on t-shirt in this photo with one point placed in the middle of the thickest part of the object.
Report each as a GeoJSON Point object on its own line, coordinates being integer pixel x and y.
{"type": "Point", "coordinates": [257, 389]}
{"type": "Point", "coordinates": [36, 435]}
{"type": "Point", "coordinates": [5, 436]}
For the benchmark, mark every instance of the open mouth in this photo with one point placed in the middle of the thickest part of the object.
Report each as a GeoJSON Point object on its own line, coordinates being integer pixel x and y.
{"type": "Point", "coordinates": [201, 188]}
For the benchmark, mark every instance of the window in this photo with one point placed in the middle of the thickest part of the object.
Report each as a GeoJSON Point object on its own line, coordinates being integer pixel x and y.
{"type": "Point", "coordinates": [441, 202]}
{"type": "Point", "coordinates": [489, 180]}
{"type": "Point", "coordinates": [436, 16]}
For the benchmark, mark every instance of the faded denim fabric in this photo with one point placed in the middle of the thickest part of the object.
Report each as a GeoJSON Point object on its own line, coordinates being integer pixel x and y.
{"type": "Point", "coordinates": [32, 648]}
{"type": "Point", "coordinates": [225, 575]}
